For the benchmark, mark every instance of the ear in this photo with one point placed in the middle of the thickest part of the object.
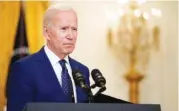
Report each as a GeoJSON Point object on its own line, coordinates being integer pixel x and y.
{"type": "Point", "coordinates": [46, 32]}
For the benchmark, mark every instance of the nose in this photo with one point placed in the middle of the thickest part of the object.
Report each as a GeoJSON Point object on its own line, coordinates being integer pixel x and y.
{"type": "Point", "coordinates": [70, 34]}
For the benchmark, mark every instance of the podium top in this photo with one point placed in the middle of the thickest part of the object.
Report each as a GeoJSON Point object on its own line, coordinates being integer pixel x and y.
{"type": "Point", "coordinates": [101, 103]}
{"type": "Point", "coordinates": [101, 98]}
{"type": "Point", "coordinates": [91, 107]}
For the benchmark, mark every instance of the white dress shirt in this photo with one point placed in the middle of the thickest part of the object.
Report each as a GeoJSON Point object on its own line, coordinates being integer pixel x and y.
{"type": "Point", "coordinates": [54, 60]}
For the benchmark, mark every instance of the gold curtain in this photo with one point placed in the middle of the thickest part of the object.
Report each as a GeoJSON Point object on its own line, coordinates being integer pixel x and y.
{"type": "Point", "coordinates": [34, 13]}
{"type": "Point", "coordinates": [9, 13]}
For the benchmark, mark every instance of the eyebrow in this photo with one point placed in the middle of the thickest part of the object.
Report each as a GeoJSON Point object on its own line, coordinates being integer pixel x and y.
{"type": "Point", "coordinates": [65, 26]}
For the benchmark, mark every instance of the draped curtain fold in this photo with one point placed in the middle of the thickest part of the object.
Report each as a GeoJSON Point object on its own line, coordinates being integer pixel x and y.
{"type": "Point", "coordinates": [9, 15]}
{"type": "Point", "coordinates": [34, 11]}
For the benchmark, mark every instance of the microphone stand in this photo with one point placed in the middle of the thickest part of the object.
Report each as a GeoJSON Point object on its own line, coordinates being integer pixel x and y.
{"type": "Point", "coordinates": [89, 92]}
{"type": "Point", "coordinates": [102, 88]}
{"type": "Point", "coordinates": [90, 96]}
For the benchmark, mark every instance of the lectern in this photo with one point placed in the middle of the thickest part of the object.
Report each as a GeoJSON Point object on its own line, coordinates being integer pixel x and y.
{"type": "Point", "coordinates": [100, 103]}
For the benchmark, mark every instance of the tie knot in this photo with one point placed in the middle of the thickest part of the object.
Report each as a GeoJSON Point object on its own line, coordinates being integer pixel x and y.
{"type": "Point", "coordinates": [62, 62]}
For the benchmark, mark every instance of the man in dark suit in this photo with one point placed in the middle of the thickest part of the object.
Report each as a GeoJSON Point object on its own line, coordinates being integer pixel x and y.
{"type": "Point", "coordinates": [46, 76]}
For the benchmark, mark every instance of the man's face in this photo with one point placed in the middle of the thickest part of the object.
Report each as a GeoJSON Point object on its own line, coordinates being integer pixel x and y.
{"type": "Point", "coordinates": [62, 34]}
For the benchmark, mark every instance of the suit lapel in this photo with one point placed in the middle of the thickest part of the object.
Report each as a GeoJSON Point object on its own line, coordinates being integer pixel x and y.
{"type": "Point", "coordinates": [73, 64]}
{"type": "Point", "coordinates": [79, 91]}
{"type": "Point", "coordinates": [47, 70]}
{"type": "Point", "coordinates": [50, 77]}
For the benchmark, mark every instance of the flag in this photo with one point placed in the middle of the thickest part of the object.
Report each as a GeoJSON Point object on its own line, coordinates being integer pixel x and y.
{"type": "Point", "coordinates": [9, 16]}
{"type": "Point", "coordinates": [20, 49]}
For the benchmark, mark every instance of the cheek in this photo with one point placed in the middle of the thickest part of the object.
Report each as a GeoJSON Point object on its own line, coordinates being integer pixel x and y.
{"type": "Point", "coordinates": [75, 39]}
{"type": "Point", "coordinates": [58, 36]}
{"type": "Point", "coordinates": [75, 36]}
{"type": "Point", "coordinates": [57, 39]}
{"type": "Point", "coordinates": [61, 36]}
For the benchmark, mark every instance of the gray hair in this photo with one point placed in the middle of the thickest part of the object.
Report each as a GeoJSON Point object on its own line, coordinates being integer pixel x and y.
{"type": "Point", "coordinates": [52, 10]}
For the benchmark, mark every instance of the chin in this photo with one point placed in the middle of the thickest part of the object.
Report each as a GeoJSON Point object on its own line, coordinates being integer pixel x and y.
{"type": "Point", "coordinates": [68, 51]}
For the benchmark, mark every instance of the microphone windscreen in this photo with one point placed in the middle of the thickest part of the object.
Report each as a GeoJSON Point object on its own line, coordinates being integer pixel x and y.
{"type": "Point", "coordinates": [98, 77]}
{"type": "Point", "coordinates": [95, 73]}
{"type": "Point", "coordinates": [78, 77]}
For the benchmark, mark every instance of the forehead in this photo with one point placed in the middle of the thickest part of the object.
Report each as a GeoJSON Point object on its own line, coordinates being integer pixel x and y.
{"type": "Point", "coordinates": [65, 17]}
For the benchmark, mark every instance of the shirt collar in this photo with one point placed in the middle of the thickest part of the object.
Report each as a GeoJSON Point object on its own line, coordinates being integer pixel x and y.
{"type": "Point", "coordinates": [54, 59]}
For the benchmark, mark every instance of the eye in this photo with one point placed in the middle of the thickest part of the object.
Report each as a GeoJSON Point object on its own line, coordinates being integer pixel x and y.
{"type": "Point", "coordinates": [75, 29]}
{"type": "Point", "coordinates": [64, 28]}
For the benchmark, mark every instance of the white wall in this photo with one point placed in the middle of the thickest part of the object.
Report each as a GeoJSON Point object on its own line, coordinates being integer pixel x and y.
{"type": "Point", "coordinates": [160, 83]}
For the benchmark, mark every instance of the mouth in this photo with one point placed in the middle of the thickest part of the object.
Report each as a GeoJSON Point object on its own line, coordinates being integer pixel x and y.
{"type": "Point", "coordinates": [68, 44]}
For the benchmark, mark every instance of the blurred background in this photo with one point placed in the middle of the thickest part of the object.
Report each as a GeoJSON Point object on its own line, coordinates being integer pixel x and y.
{"type": "Point", "coordinates": [133, 43]}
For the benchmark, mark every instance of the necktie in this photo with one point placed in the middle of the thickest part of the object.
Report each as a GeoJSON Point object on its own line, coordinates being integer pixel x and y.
{"type": "Point", "coordinates": [66, 82]}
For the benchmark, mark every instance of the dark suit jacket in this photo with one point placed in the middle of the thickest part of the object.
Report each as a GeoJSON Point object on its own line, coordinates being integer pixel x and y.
{"type": "Point", "coordinates": [32, 79]}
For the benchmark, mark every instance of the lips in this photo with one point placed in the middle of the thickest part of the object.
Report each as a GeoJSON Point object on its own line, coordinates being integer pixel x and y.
{"type": "Point", "coordinates": [68, 44]}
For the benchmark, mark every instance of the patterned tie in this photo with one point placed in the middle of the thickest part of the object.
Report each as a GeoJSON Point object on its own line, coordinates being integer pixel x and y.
{"type": "Point", "coordinates": [66, 81]}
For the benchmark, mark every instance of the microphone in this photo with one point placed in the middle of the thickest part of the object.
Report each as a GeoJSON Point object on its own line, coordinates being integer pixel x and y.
{"type": "Point", "coordinates": [79, 79]}
{"type": "Point", "coordinates": [100, 81]}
